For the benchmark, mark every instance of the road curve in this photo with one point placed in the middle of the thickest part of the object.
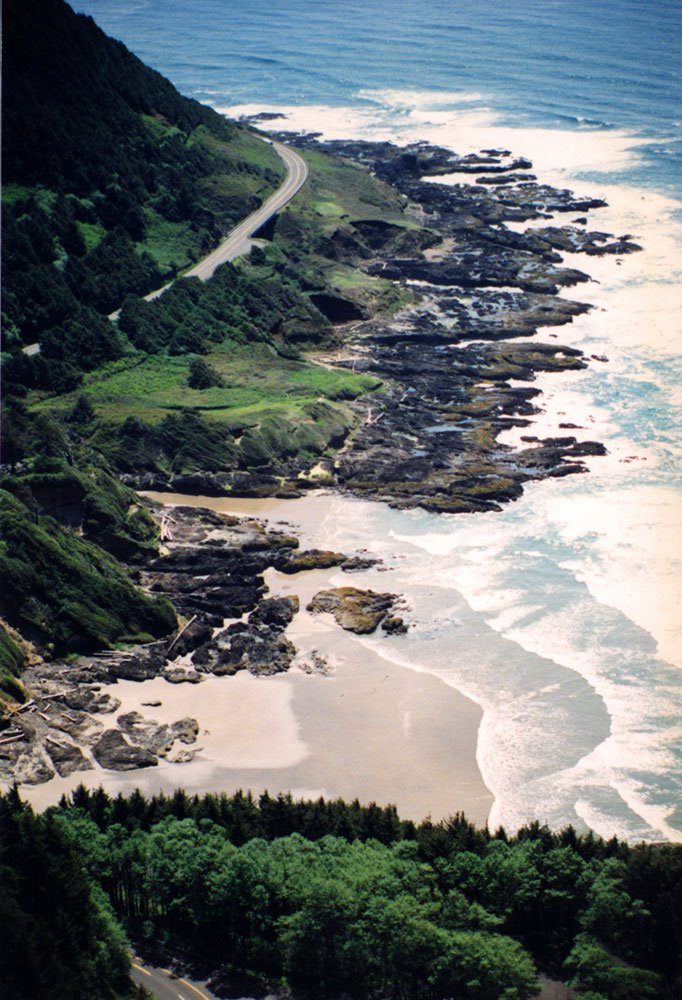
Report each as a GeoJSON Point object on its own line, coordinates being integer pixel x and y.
{"type": "Point", "coordinates": [165, 985]}
{"type": "Point", "coordinates": [237, 242]}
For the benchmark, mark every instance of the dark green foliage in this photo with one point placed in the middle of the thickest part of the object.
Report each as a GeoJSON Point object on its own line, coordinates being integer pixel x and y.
{"type": "Point", "coordinates": [113, 269]}
{"type": "Point", "coordinates": [17, 432]}
{"type": "Point", "coordinates": [35, 295]}
{"type": "Point", "coordinates": [83, 412]}
{"type": "Point", "coordinates": [11, 665]}
{"type": "Point", "coordinates": [191, 316]}
{"type": "Point", "coordinates": [202, 375]}
{"type": "Point", "coordinates": [339, 897]}
{"type": "Point", "coordinates": [66, 591]}
{"type": "Point", "coordinates": [596, 969]}
{"type": "Point", "coordinates": [37, 436]}
{"type": "Point", "coordinates": [182, 442]}
{"type": "Point", "coordinates": [64, 65]}
{"type": "Point", "coordinates": [244, 818]}
{"type": "Point", "coordinates": [114, 160]}
{"type": "Point", "coordinates": [257, 255]}
{"type": "Point", "coordinates": [82, 496]}
{"type": "Point", "coordinates": [59, 936]}
{"type": "Point", "coordinates": [654, 876]}
{"type": "Point", "coordinates": [331, 916]}
{"type": "Point", "coordinates": [84, 341]}
{"type": "Point", "coordinates": [191, 443]}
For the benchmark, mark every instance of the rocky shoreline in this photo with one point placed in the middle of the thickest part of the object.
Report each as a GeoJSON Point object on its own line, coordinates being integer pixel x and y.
{"type": "Point", "coordinates": [429, 437]}
{"type": "Point", "coordinates": [211, 568]}
{"type": "Point", "coordinates": [450, 368]}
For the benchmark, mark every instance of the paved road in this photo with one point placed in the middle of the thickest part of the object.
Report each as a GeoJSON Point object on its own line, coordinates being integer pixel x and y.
{"type": "Point", "coordinates": [164, 985]}
{"type": "Point", "coordinates": [238, 241]}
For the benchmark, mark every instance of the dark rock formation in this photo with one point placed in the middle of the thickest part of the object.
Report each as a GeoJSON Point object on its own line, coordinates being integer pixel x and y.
{"type": "Point", "coordinates": [141, 665]}
{"type": "Point", "coordinates": [67, 757]}
{"type": "Point", "coordinates": [261, 650]}
{"type": "Point", "coordinates": [275, 612]}
{"type": "Point", "coordinates": [359, 611]}
{"type": "Point", "coordinates": [180, 675]}
{"type": "Point", "coordinates": [336, 308]}
{"type": "Point", "coordinates": [89, 699]}
{"type": "Point", "coordinates": [297, 562]}
{"type": "Point", "coordinates": [30, 768]}
{"type": "Point", "coordinates": [113, 752]}
{"type": "Point", "coordinates": [196, 633]}
{"type": "Point", "coordinates": [394, 625]}
{"type": "Point", "coordinates": [157, 739]}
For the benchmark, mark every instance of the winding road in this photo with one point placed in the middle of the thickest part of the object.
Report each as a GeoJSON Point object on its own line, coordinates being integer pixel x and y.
{"type": "Point", "coordinates": [165, 985]}
{"type": "Point", "coordinates": [238, 240]}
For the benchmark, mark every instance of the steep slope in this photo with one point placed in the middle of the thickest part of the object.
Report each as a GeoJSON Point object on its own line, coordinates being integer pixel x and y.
{"type": "Point", "coordinates": [112, 183]}
{"type": "Point", "coordinates": [66, 592]}
{"type": "Point", "coordinates": [113, 180]}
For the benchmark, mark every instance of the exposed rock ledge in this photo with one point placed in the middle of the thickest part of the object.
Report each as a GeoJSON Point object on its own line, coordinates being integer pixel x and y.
{"type": "Point", "coordinates": [212, 570]}
{"type": "Point", "coordinates": [359, 611]}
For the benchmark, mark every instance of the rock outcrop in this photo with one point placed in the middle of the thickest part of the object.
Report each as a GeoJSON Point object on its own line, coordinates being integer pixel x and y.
{"type": "Point", "coordinates": [113, 752]}
{"type": "Point", "coordinates": [260, 649]}
{"type": "Point", "coordinates": [359, 611]}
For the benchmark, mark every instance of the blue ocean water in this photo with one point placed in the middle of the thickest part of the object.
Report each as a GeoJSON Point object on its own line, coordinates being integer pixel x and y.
{"type": "Point", "coordinates": [576, 63]}
{"type": "Point", "coordinates": [562, 615]}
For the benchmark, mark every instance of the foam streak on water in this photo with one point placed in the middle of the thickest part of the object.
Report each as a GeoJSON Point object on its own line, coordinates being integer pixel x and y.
{"type": "Point", "coordinates": [580, 719]}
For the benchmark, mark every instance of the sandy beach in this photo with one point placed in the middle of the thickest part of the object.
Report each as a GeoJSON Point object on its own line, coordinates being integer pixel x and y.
{"type": "Point", "coordinates": [369, 728]}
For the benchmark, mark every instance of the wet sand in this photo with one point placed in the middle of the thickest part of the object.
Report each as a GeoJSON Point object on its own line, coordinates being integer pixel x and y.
{"type": "Point", "coordinates": [369, 729]}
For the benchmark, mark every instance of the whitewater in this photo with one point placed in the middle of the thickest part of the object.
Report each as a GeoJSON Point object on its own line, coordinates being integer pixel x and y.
{"type": "Point", "coordinates": [560, 616]}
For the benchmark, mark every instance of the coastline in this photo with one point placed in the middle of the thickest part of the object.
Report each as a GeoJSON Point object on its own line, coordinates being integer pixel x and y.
{"type": "Point", "coordinates": [371, 728]}
{"type": "Point", "coordinates": [278, 720]}
{"type": "Point", "coordinates": [566, 661]}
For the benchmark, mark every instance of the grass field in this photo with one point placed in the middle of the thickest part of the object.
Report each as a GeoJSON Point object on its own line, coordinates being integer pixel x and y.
{"type": "Point", "coordinates": [337, 189]}
{"type": "Point", "coordinates": [256, 381]}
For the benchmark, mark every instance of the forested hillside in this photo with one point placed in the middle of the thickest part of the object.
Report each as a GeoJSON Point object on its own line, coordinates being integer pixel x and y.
{"type": "Point", "coordinates": [60, 937]}
{"type": "Point", "coordinates": [112, 182]}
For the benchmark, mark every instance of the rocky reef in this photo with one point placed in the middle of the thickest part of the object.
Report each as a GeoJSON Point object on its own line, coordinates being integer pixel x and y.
{"type": "Point", "coordinates": [453, 377]}
{"type": "Point", "coordinates": [210, 566]}
{"type": "Point", "coordinates": [359, 611]}
{"type": "Point", "coordinates": [456, 367]}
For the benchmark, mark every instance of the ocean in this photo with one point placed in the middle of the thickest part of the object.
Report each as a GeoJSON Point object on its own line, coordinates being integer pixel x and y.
{"type": "Point", "coordinates": [561, 616]}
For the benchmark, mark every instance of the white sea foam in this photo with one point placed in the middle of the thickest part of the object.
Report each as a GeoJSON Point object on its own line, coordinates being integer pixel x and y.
{"type": "Point", "coordinates": [629, 557]}
{"type": "Point", "coordinates": [462, 122]}
{"type": "Point", "coordinates": [559, 616]}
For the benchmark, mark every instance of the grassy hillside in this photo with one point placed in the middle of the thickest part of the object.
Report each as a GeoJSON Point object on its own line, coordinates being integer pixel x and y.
{"type": "Point", "coordinates": [67, 593]}
{"type": "Point", "coordinates": [11, 665]}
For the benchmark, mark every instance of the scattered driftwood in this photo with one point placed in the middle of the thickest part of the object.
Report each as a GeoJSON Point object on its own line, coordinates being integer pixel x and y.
{"type": "Point", "coordinates": [182, 631]}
